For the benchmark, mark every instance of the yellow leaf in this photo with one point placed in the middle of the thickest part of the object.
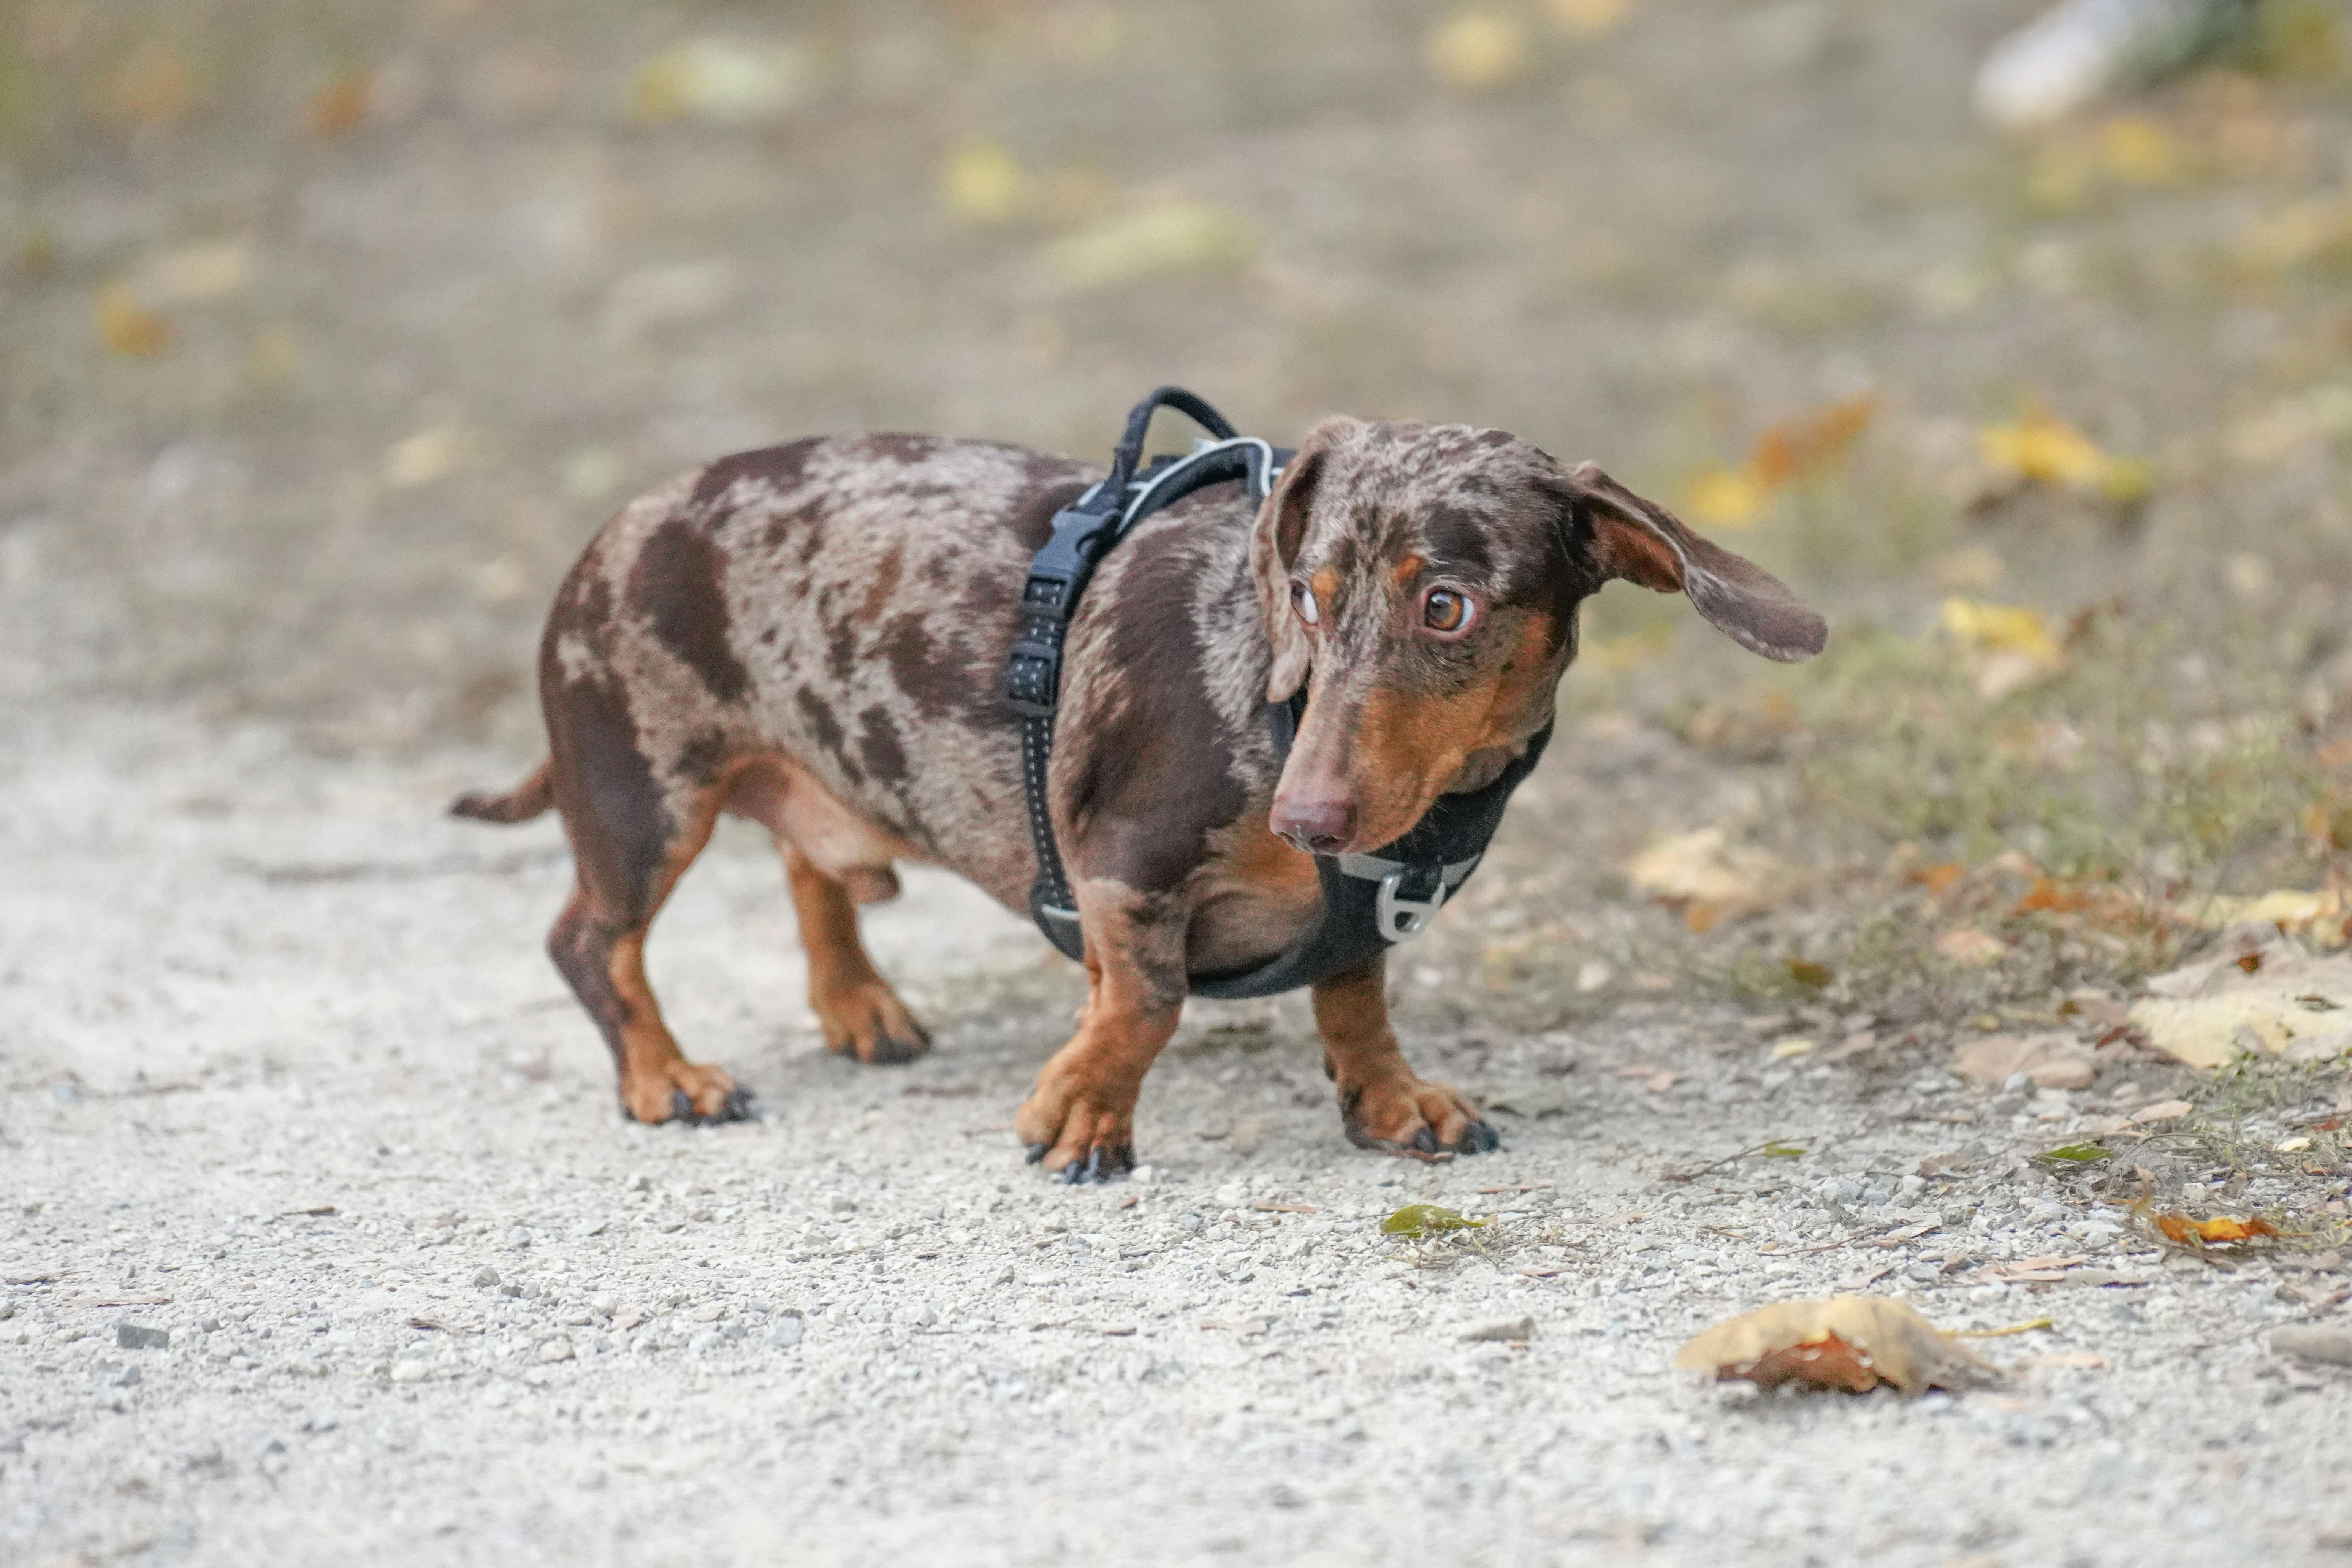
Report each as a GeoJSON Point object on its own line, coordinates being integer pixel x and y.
{"type": "Point", "coordinates": [1588, 18]}
{"type": "Point", "coordinates": [1725, 498]}
{"type": "Point", "coordinates": [2136, 147]}
{"type": "Point", "coordinates": [725, 81]}
{"type": "Point", "coordinates": [1474, 50]}
{"type": "Point", "coordinates": [1179, 235]}
{"type": "Point", "coordinates": [128, 327]}
{"type": "Point", "coordinates": [2045, 449]}
{"type": "Point", "coordinates": [429, 454]}
{"type": "Point", "coordinates": [982, 183]}
{"type": "Point", "coordinates": [2002, 628]}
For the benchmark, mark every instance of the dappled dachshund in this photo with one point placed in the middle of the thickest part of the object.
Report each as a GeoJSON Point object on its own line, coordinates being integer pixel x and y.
{"type": "Point", "coordinates": [816, 635]}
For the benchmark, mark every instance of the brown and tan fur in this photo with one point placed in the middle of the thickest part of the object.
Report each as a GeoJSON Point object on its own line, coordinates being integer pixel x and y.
{"type": "Point", "coordinates": [813, 636]}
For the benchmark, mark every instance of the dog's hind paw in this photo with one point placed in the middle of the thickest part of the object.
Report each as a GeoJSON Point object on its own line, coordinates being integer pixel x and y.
{"type": "Point", "coordinates": [869, 1024]}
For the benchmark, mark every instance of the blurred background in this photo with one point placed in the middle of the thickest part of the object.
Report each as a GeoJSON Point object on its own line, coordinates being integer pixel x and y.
{"type": "Point", "coordinates": [330, 333]}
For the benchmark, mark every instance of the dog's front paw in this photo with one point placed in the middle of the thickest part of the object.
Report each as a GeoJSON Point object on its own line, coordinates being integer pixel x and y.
{"type": "Point", "coordinates": [681, 1090]}
{"type": "Point", "coordinates": [870, 1024]}
{"type": "Point", "coordinates": [1401, 1114]}
{"type": "Point", "coordinates": [1080, 1132]}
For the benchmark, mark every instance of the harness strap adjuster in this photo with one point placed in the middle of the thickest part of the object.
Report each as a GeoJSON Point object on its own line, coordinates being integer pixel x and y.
{"type": "Point", "coordinates": [1033, 672]}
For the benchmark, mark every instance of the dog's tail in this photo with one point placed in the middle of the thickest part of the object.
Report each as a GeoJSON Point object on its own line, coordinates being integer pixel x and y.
{"type": "Point", "coordinates": [520, 803]}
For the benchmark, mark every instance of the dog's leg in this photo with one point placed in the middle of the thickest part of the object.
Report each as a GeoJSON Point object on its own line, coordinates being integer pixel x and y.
{"type": "Point", "coordinates": [1382, 1103]}
{"type": "Point", "coordinates": [861, 1016]}
{"type": "Point", "coordinates": [630, 844]}
{"type": "Point", "coordinates": [1080, 1119]}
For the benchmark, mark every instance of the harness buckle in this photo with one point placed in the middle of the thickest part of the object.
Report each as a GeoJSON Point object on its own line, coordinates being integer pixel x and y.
{"type": "Point", "coordinates": [1400, 916]}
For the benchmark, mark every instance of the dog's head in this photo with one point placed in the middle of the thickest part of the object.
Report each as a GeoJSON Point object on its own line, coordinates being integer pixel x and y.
{"type": "Point", "coordinates": [1424, 579]}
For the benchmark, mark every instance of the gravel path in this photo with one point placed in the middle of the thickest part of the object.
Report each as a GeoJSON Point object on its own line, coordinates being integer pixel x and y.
{"type": "Point", "coordinates": [288, 1079]}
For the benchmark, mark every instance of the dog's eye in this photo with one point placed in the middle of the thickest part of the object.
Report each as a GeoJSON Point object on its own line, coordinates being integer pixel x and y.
{"type": "Point", "coordinates": [1443, 610]}
{"type": "Point", "coordinates": [1304, 597]}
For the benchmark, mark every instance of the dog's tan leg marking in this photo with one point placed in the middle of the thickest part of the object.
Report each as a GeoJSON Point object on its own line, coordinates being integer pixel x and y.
{"type": "Point", "coordinates": [835, 860]}
{"type": "Point", "coordinates": [1080, 1119]}
{"type": "Point", "coordinates": [1383, 1104]}
{"type": "Point", "coordinates": [603, 955]}
{"type": "Point", "coordinates": [861, 1016]}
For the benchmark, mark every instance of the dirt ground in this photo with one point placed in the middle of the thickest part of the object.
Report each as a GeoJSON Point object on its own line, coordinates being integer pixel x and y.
{"type": "Point", "coordinates": [324, 348]}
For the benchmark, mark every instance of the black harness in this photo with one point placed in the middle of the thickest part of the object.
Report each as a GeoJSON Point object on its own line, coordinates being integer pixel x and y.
{"type": "Point", "coordinates": [1371, 903]}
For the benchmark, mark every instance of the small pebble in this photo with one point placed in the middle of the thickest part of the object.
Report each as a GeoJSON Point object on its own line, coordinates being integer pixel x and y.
{"type": "Point", "coordinates": [485, 1276]}
{"type": "Point", "coordinates": [132, 1337]}
{"type": "Point", "coordinates": [1507, 1329]}
{"type": "Point", "coordinates": [555, 1350]}
{"type": "Point", "coordinates": [786, 1332]}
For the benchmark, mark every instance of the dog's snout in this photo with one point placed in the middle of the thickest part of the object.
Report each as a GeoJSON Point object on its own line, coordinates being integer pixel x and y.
{"type": "Point", "coordinates": [1318, 826]}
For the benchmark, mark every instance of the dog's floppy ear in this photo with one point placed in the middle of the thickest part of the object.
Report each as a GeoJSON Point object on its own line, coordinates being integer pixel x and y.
{"type": "Point", "coordinates": [1273, 547]}
{"type": "Point", "coordinates": [1642, 542]}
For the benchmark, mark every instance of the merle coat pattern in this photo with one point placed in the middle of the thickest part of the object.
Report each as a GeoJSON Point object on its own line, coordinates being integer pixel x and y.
{"type": "Point", "coordinates": [813, 636]}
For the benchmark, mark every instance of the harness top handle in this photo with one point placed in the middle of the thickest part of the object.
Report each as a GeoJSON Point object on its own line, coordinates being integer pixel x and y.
{"type": "Point", "coordinates": [1124, 461]}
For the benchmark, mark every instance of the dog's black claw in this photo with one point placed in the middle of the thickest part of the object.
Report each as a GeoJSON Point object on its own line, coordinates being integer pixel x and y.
{"type": "Point", "coordinates": [680, 1107]}
{"type": "Point", "coordinates": [737, 1107]}
{"type": "Point", "coordinates": [1037, 1152]}
{"type": "Point", "coordinates": [1425, 1140]}
{"type": "Point", "coordinates": [1480, 1138]}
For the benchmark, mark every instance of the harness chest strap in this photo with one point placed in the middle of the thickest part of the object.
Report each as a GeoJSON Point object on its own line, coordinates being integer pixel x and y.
{"type": "Point", "coordinates": [1369, 901]}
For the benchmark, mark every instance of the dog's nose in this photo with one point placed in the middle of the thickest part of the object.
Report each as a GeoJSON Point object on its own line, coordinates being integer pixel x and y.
{"type": "Point", "coordinates": [1317, 827]}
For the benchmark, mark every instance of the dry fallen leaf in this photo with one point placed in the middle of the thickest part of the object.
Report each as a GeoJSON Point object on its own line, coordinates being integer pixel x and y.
{"type": "Point", "coordinates": [1708, 880]}
{"type": "Point", "coordinates": [2052, 1061]}
{"type": "Point", "coordinates": [1177, 234]}
{"type": "Point", "coordinates": [2043, 449]}
{"type": "Point", "coordinates": [2009, 646]}
{"type": "Point", "coordinates": [1938, 877]}
{"type": "Point", "coordinates": [2221, 1228]}
{"type": "Point", "coordinates": [2323, 917]}
{"type": "Point", "coordinates": [1474, 50]}
{"type": "Point", "coordinates": [191, 274]}
{"type": "Point", "coordinates": [1972, 947]}
{"type": "Point", "coordinates": [1811, 444]}
{"type": "Point", "coordinates": [1787, 453]}
{"type": "Point", "coordinates": [339, 105]}
{"type": "Point", "coordinates": [1588, 17]}
{"type": "Point", "coordinates": [982, 183]}
{"type": "Point", "coordinates": [1847, 1341]}
{"type": "Point", "coordinates": [127, 326]}
{"type": "Point", "coordinates": [723, 81]}
{"type": "Point", "coordinates": [1725, 498]}
{"type": "Point", "coordinates": [2270, 997]}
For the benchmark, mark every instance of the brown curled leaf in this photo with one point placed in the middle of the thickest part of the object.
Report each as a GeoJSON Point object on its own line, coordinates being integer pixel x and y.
{"type": "Point", "coordinates": [1854, 1343]}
